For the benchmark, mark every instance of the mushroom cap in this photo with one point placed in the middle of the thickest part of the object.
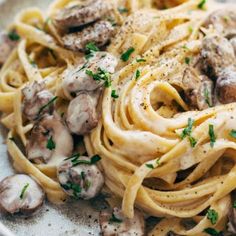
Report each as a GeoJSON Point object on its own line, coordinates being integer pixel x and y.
{"type": "Point", "coordinates": [21, 194]}
{"type": "Point", "coordinates": [80, 181]}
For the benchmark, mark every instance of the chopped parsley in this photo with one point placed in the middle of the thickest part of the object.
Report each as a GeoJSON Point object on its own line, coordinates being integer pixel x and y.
{"type": "Point", "coordinates": [233, 133]}
{"type": "Point", "coordinates": [75, 187]}
{"type": "Point", "coordinates": [113, 94]}
{"type": "Point", "coordinates": [213, 232]}
{"type": "Point", "coordinates": [212, 135]}
{"type": "Point", "coordinates": [13, 36]}
{"type": "Point", "coordinates": [47, 105]}
{"type": "Point", "coordinates": [187, 60]}
{"type": "Point", "coordinates": [12, 139]}
{"type": "Point", "coordinates": [24, 190]}
{"type": "Point", "coordinates": [51, 145]}
{"type": "Point", "coordinates": [141, 60]}
{"type": "Point", "coordinates": [234, 204]}
{"type": "Point", "coordinates": [137, 74]}
{"type": "Point", "coordinates": [190, 29]}
{"type": "Point", "coordinates": [123, 10]}
{"type": "Point", "coordinates": [126, 55]}
{"type": "Point", "coordinates": [32, 62]}
{"type": "Point", "coordinates": [202, 4]}
{"type": "Point", "coordinates": [114, 219]}
{"type": "Point", "coordinates": [207, 97]}
{"type": "Point", "coordinates": [92, 161]}
{"type": "Point", "coordinates": [150, 166]}
{"type": "Point", "coordinates": [212, 215]}
{"type": "Point", "coordinates": [187, 133]}
{"type": "Point", "coordinates": [101, 75]}
{"type": "Point", "coordinates": [90, 48]}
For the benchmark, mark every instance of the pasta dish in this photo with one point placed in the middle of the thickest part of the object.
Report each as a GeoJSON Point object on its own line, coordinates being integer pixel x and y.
{"type": "Point", "coordinates": [132, 99]}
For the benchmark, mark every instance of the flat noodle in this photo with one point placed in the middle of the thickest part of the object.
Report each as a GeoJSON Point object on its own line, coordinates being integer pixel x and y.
{"type": "Point", "coordinates": [132, 134]}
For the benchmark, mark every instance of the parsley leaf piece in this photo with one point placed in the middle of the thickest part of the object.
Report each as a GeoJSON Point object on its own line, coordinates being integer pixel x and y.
{"type": "Point", "coordinates": [207, 97]}
{"type": "Point", "coordinates": [95, 159]}
{"type": "Point", "coordinates": [212, 215]}
{"type": "Point", "coordinates": [47, 105]}
{"type": "Point", "coordinates": [187, 131]}
{"type": "Point", "coordinates": [187, 60]}
{"type": "Point", "coordinates": [213, 232]}
{"type": "Point", "coordinates": [212, 135]}
{"type": "Point", "coordinates": [113, 94]}
{"type": "Point", "coordinates": [234, 204]}
{"type": "Point", "coordinates": [24, 190]}
{"type": "Point", "coordinates": [233, 133]}
{"type": "Point", "coordinates": [12, 139]}
{"type": "Point", "coordinates": [90, 49]}
{"type": "Point", "coordinates": [51, 145]}
{"type": "Point", "coordinates": [126, 55]}
{"type": "Point", "coordinates": [192, 141]}
{"type": "Point", "coordinates": [150, 166]}
{"type": "Point", "coordinates": [137, 74]}
{"type": "Point", "coordinates": [101, 75]}
{"type": "Point", "coordinates": [13, 36]}
{"type": "Point", "coordinates": [141, 60]}
{"type": "Point", "coordinates": [123, 10]}
{"type": "Point", "coordinates": [114, 219]}
{"type": "Point", "coordinates": [201, 4]}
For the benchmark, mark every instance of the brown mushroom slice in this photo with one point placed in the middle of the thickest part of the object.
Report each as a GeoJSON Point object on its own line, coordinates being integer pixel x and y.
{"type": "Point", "coordinates": [82, 115]}
{"type": "Point", "coordinates": [198, 90]}
{"type": "Point", "coordinates": [20, 194]}
{"type": "Point", "coordinates": [233, 42]}
{"type": "Point", "coordinates": [217, 53]}
{"type": "Point", "coordinates": [99, 33]}
{"type": "Point", "coordinates": [6, 46]}
{"type": "Point", "coordinates": [114, 223]}
{"type": "Point", "coordinates": [223, 21]}
{"type": "Point", "coordinates": [77, 80]}
{"type": "Point", "coordinates": [80, 177]}
{"type": "Point", "coordinates": [50, 141]}
{"type": "Point", "coordinates": [82, 14]}
{"type": "Point", "coordinates": [37, 101]}
{"type": "Point", "coordinates": [226, 86]}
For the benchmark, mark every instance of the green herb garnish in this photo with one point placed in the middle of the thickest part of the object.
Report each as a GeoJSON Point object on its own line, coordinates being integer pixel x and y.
{"type": "Point", "coordinates": [234, 204]}
{"type": "Point", "coordinates": [213, 232]}
{"type": "Point", "coordinates": [151, 166]}
{"type": "Point", "coordinates": [92, 161]}
{"type": "Point", "coordinates": [90, 49]}
{"type": "Point", "coordinates": [137, 74]}
{"type": "Point", "coordinates": [51, 145]}
{"type": "Point", "coordinates": [190, 29]}
{"type": "Point", "coordinates": [212, 135]}
{"type": "Point", "coordinates": [100, 75]}
{"type": "Point", "coordinates": [113, 94]}
{"type": "Point", "coordinates": [207, 97]}
{"type": "Point", "coordinates": [123, 10]}
{"type": "Point", "coordinates": [126, 55]}
{"type": "Point", "coordinates": [187, 133]}
{"type": "Point", "coordinates": [233, 133]}
{"type": "Point", "coordinates": [47, 105]}
{"type": "Point", "coordinates": [114, 219]}
{"type": "Point", "coordinates": [75, 187]}
{"type": "Point", "coordinates": [201, 4]}
{"type": "Point", "coordinates": [24, 190]}
{"type": "Point", "coordinates": [212, 215]}
{"type": "Point", "coordinates": [12, 139]}
{"type": "Point", "coordinates": [187, 60]}
{"type": "Point", "coordinates": [13, 36]}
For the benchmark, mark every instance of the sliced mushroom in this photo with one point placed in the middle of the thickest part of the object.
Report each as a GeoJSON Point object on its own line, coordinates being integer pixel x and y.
{"type": "Point", "coordinates": [217, 53]}
{"type": "Point", "coordinates": [198, 90]}
{"type": "Point", "coordinates": [50, 140]}
{"type": "Point", "coordinates": [77, 80]}
{"type": "Point", "coordinates": [82, 115]}
{"type": "Point", "coordinates": [6, 47]}
{"type": "Point", "coordinates": [82, 14]}
{"type": "Point", "coordinates": [114, 223]}
{"type": "Point", "coordinates": [233, 42]}
{"type": "Point", "coordinates": [80, 177]}
{"type": "Point", "coordinates": [20, 194]}
{"type": "Point", "coordinates": [99, 33]}
{"type": "Point", "coordinates": [226, 86]}
{"type": "Point", "coordinates": [223, 21]}
{"type": "Point", "coordinates": [36, 99]}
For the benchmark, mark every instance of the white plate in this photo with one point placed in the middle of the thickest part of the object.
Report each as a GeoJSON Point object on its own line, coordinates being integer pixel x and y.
{"type": "Point", "coordinates": [74, 218]}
